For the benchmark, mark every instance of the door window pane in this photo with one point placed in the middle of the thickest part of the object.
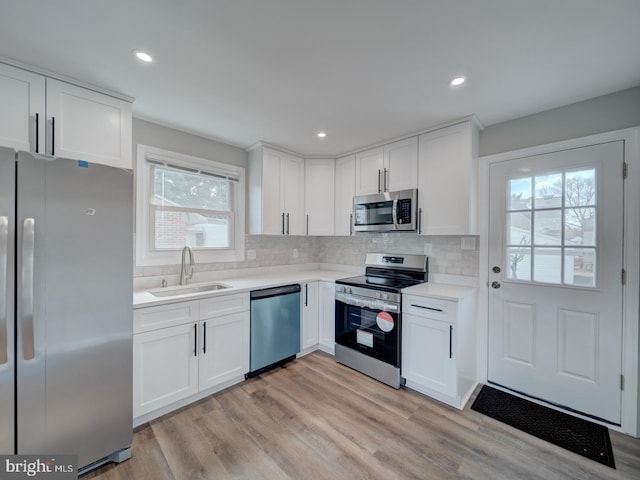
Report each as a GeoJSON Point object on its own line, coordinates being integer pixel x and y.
{"type": "Point", "coordinates": [579, 267]}
{"type": "Point", "coordinates": [519, 194]}
{"type": "Point", "coordinates": [547, 265]}
{"type": "Point", "coordinates": [548, 191]}
{"type": "Point", "coordinates": [580, 226]}
{"type": "Point", "coordinates": [548, 227]}
{"type": "Point", "coordinates": [519, 263]}
{"type": "Point", "coordinates": [580, 188]}
{"type": "Point", "coordinates": [519, 228]}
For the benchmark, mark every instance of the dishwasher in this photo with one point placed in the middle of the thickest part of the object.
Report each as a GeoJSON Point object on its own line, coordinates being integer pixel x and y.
{"type": "Point", "coordinates": [275, 327]}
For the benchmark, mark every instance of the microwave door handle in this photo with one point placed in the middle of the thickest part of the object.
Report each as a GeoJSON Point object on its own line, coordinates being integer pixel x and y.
{"type": "Point", "coordinates": [394, 213]}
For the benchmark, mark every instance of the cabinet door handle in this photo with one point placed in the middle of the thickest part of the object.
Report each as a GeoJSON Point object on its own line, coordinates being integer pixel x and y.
{"type": "Point", "coordinates": [53, 136]}
{"type": "Point", "coordinates": [450, 341]}
{"type": "Point", "coordinates": [386, 187]}
{"type": "Point", "coordinates": [195, 339]}
{"type": "Point", "coordinates": [204, 338]}
{"type": "Point", "coordinates": [37, 133]}
{"type": "Point", "coordinates": [287, 224]}
{"type": "Point", "coordinates": [282, 223]}
{"type": "Point", "coordinates": [351, 224]}
{"type": "Point", "coordinates": [379, 175]}
{"type": "Point", "coordinates": [307, 224]}
{"type": "Point", "coordinates": [420, 221]}
{"type": "Point", "coordinates": [306, 294]}
{"type": "Point", "coordinates": [433, 309]}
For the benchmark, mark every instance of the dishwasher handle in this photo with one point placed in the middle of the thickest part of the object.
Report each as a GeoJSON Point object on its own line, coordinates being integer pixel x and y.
{"type": "Point", "coordinates": [275, 291]}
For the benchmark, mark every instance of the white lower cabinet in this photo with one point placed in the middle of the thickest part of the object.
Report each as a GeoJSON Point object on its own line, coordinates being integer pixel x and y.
{"type": "Point", "coordinates": [309, 328]}
{"type": "Point", "coordinates": [195, 349]}
{"type": "Point", "coordinates": [165, 369]}
{"type": "Point", "coordinates": [438, 354]}
{"type": "Point", "coordinates": [318, 317]}
{"type": "Point", "coordinates": [327, 316]}
{"type": "Point", "coordinates": [225, 349]}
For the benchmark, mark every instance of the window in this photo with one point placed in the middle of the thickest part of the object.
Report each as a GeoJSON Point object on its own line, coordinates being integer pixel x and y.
{"type": "Point", "coordinates": [183, 200]}
{"type": "Point", "coordinates": [551, 228]}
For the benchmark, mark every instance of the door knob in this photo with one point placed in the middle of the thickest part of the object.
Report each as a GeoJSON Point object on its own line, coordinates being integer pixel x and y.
{"type": "Point", "coordinates": [495, 284]}
{"type": "Point", "coordinates": [496, 269]}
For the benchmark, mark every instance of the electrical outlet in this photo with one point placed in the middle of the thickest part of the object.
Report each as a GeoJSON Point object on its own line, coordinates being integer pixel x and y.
{"type": "Point", "coordinates": [251, 254]}
{"type": "Point", "coordinates": [428, 248]}
{"type": "Point", "coordinates": [468, 243]}
{"type": "Point", "coordinates": [295, 253]}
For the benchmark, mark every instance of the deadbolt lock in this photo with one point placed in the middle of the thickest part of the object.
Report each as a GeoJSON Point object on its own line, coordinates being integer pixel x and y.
{"type": "Point", "coordinates": [496, 269]}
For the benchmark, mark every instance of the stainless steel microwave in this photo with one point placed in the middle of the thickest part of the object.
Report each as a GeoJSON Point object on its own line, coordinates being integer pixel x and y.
{"type": "Point", "coordinates": [386, 212]}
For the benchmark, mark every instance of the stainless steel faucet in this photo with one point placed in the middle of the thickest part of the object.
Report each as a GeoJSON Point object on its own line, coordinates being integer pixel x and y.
{"type": "Point", "coordinates": [187, 270]}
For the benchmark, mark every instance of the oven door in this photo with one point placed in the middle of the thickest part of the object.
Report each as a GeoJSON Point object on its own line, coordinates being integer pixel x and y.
{"type": "Point", "coordinates": [369, 326]}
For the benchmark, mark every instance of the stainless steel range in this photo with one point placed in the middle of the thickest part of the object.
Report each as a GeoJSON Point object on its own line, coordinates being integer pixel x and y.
{"type": "Point", "coordinates": [369, 316]}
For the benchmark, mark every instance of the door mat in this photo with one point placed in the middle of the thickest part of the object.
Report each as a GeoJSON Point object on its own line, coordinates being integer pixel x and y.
{"type": "Point", "coordinates": [574, 434]}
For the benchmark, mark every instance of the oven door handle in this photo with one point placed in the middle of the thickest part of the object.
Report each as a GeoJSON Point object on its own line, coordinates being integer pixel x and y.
{"type": "Point", "coordinates": [367, 303]}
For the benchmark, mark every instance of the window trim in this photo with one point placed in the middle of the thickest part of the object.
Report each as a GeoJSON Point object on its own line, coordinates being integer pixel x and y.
{"type": "Point", "coordinates": [145, 256]}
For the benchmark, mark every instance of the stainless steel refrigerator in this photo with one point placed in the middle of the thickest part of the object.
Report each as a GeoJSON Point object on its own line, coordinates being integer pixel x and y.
{"type": "Point", "coordinates": [66, 255]}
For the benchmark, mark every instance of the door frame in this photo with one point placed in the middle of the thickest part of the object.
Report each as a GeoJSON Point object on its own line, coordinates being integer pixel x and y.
{"type": "Point", "coordinates": [630, 414]}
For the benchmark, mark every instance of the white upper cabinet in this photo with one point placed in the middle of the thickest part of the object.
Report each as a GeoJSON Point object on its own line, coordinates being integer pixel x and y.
{"type": "Point", "coordinates": [369, 165]}
{"type": "Point", "coordinates": [389, 168]}
{"type": "Point", "coordinates": [50, 117]}
{"type": "Point", "coordinates": [276, 193]}
{"type": "Point", "coordinates": [345, 189]}
{"type": "Point", "coordinates": [447, 180]}
{"type": "Point", "coordinates": [88, 125]}
{"type": "Point", "coordinates": [22, 109]}
{"type": "Point", "coordinates": [319, 196]}
{"type": "Point", "coordinates": [400, 171]}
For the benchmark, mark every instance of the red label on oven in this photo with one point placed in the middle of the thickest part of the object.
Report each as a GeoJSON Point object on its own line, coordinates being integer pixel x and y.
{"type": "Point", "coordinates": [385, 321]}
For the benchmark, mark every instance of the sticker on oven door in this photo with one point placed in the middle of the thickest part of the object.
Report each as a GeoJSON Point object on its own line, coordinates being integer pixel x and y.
{"type": "Point", "coordinates": [364, 338]}
{"type": "Point", "coordinates": [385, 321]}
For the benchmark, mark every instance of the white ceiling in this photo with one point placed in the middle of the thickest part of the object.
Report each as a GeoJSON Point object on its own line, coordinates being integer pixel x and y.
{"type": "Point", "coordinates": [364, 71]}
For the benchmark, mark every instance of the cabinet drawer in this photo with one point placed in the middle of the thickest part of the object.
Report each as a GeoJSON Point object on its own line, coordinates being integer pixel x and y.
{"type": "Point", "coordinates": [162, 316]}
{"type": "Point", "coordinates": [223, 305]}
{"type": "Point", "coordinates": [427, 307]}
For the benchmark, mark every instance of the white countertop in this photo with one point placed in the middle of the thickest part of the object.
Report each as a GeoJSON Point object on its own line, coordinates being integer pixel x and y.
{"type": "Point", "coordinates": [440, 290]}
{"type": "Point", "coordinates": [144, 298]}
{"type": "Point", "coordinates": [243, 284]}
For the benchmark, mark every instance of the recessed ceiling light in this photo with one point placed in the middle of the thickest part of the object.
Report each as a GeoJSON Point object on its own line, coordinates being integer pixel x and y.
{"type": "Point", "coordinates": [455, 82]}
{"type": "Point", "coordinates": [321, 134]}
{"type": "Point", "coordinates": [143, 56]}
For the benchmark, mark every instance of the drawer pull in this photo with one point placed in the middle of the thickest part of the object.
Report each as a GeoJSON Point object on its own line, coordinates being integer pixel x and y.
{"type": "Point", "coordinates": [433, 309]}
{"type": "Point", "coordinates": [450, 341]}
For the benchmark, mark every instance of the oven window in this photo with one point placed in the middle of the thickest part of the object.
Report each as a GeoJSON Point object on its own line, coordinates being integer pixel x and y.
{"type": "Point", "coordinates": [372, 332]}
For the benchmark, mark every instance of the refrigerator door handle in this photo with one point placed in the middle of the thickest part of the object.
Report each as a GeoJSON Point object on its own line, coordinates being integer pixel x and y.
{"type": "Point", "coordinates": [4, 260]}
{"type": "Point", "coordinates": [28, 250]}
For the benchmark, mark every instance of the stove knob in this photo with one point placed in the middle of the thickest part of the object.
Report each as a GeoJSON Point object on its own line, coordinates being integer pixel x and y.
{"type": "Point", "coordinates": [347, 289]}
{"type": "Point", "coordinates": [385, 296]}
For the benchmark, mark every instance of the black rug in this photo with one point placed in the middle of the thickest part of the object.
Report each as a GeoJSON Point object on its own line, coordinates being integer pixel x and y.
{"type": "Point", "coordinates": [574, 434]}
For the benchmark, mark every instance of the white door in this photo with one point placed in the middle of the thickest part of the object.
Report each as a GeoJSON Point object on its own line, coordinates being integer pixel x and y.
{"type": "Point", "coordinates": [555, 260]}
{"type": "Point", "coordinates": [369, 166]}
{"type": "Point", "coordinates": [400, 165]}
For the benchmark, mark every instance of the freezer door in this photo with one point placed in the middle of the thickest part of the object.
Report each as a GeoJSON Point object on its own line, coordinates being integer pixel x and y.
{"type": "Point", "coordinates": [75, 262]}
{"type": "Point", "coordinates": [7, 229]}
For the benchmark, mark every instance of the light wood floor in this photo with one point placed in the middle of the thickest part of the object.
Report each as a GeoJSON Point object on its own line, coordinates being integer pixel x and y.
{"type": "Point", "coordinates": [316, 419]}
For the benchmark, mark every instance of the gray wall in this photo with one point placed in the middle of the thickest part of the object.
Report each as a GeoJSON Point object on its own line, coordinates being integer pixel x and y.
{"type": "Point", "coordinates": [601, 114]}
{"type": "Point", "coordinates": [154, 135]}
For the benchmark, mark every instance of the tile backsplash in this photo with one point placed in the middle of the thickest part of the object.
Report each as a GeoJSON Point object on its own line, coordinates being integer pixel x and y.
{"type": "Point", "coordinates": [446, 255]}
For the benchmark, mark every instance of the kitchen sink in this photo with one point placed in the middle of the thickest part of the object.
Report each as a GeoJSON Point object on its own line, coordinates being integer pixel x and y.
{"type": "Point", "coordinates": [185, 289]}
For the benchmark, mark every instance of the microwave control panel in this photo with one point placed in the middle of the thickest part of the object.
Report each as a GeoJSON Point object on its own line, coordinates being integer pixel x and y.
{"type": "Point", "coordinates": [404, 211]}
